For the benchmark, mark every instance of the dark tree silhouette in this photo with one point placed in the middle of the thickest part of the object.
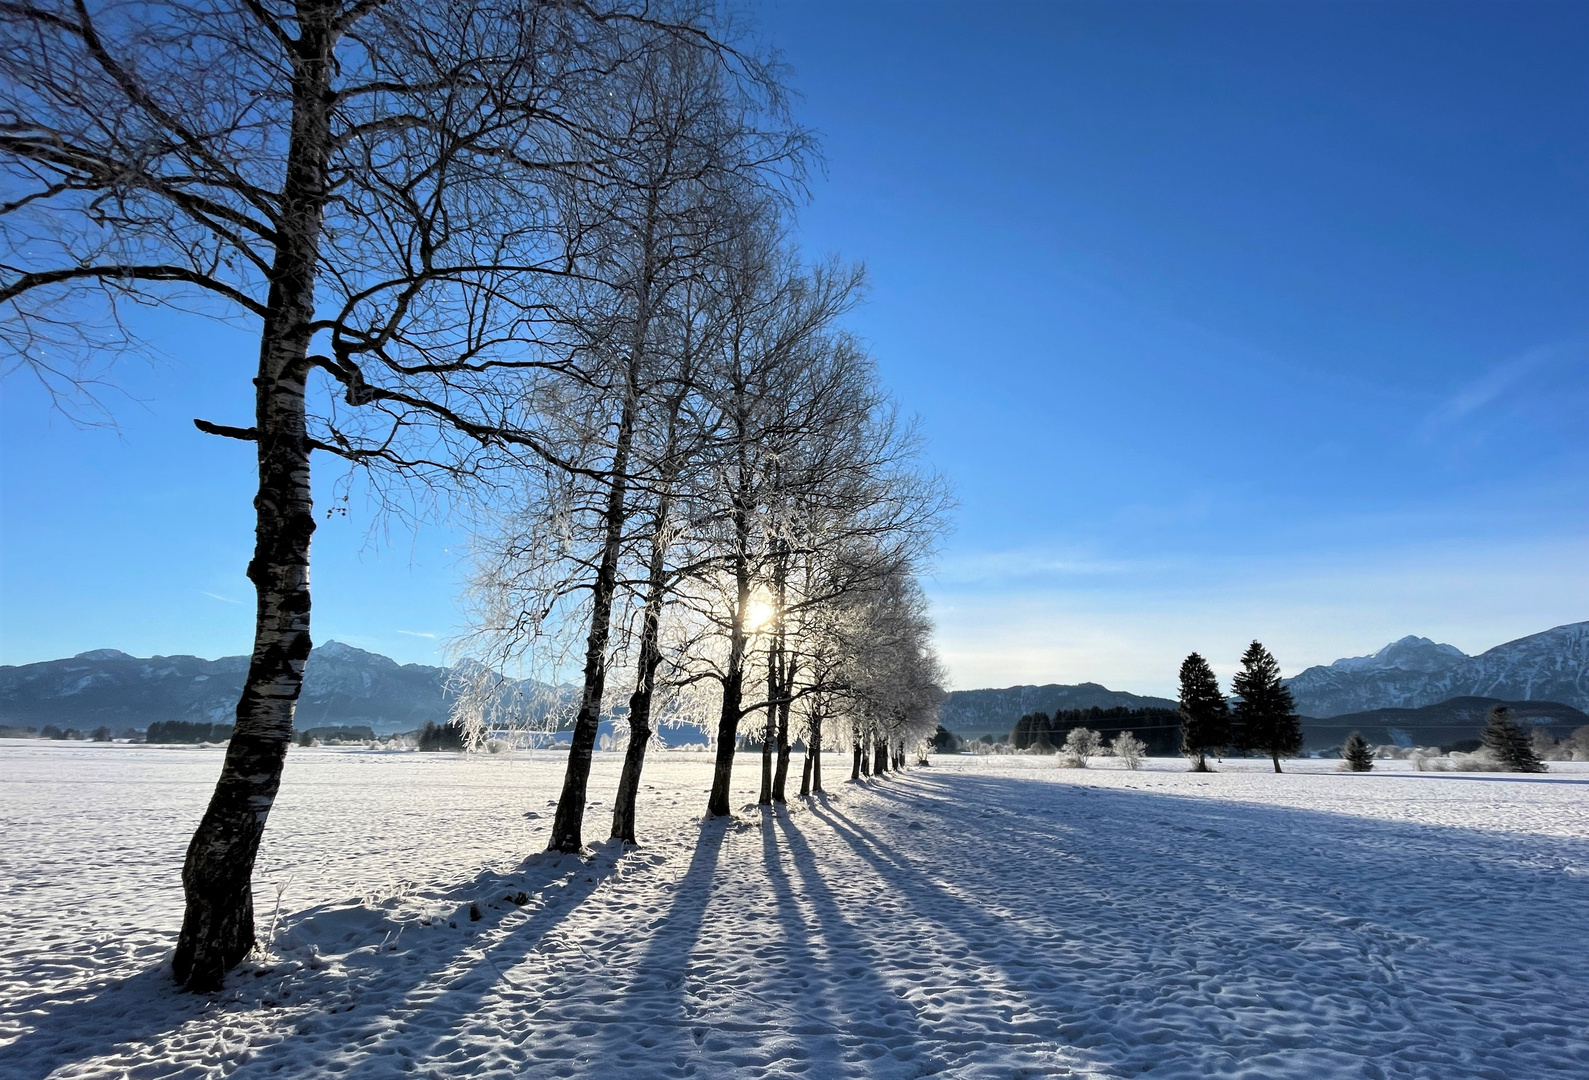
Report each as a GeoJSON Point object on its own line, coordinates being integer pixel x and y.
{"type": "Point", "coordinates": [1356, 753]}
{"type": "Point", "coordinates": [1511, 744]}
{"type": "Point", "coordinates": [1265, 717]}
{"type": "Point", "coordinates": [1205, 716]}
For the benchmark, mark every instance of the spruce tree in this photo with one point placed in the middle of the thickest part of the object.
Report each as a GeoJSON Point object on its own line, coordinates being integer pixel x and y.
{"type": "Point", "coordinates": [1205, 717]}
{"type": "Point", "coordinates": [1042, 733]}
{"type": "Point", "coordinates": [1513, 749]}
{"type": "Point", "coordinates": [1356, 754]}
{"type": "Point", "coordinates": [1265, 717]}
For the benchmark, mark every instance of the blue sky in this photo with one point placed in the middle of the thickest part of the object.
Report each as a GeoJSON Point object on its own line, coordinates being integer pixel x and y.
{"type": "Point", "coordinates": [1226, 321]}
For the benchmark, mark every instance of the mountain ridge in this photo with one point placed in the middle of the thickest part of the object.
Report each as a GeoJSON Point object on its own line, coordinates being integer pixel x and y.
{"type": "Point", "coordinates": [343, 686]}
{"type": "Point", "coordinates": [995, 711]}
{"type": "Point", "coordinates": [1415, 672]}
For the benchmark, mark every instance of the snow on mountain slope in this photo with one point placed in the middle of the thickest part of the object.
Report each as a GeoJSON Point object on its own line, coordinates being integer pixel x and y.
{"type": "Point", "coordinates": [1414, 672]}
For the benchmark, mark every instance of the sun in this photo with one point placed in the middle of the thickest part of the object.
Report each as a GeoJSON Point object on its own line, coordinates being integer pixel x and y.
{"type": "Point", "coordinates": [758, 613]}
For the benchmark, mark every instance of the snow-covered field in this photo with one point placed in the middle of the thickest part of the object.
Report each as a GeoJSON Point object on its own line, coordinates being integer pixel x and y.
{"type": "Point", "coordinates": [981, 918]}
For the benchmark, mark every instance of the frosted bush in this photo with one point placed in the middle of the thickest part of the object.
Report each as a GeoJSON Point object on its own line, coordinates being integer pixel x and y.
{"type": "Point", "coordinates": [1081, 744]}
{"type": "Point", "coordinates": [1128, 748]}
{"type": "Point", "coordinates": [1428, 759]}
{"type": "Point", "coordinates": [1574, 747]}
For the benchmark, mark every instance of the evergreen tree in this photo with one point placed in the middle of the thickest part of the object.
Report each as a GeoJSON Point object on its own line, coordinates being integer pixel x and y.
{"type": "Point", "coordinates": [1042, 733]}
{"type": "Point", "coordinates": [1265, 717]}
{"type": "Point", "coordinates": [1356, 754]}
{"type": "Point", "coordinates": [1513, 749]}
{"type": "Point", "coordinates": [1205, 717]}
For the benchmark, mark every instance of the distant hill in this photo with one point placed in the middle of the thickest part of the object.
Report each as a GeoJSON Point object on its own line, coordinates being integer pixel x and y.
{"type": "Point", "coordinates": [343, 687]}
{"type": "Point", "coordinates": [1415, 672]}
{"type": "Point", "coordinates": [969, 713]}
{"type": "Point", "coordinates": [1438, 725]}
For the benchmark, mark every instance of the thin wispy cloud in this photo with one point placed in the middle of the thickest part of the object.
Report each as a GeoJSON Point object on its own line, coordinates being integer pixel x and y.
{"type": "Point", "coordinates": [994, 567]}
{"type": "Point", "coordinates": [222, 599]}
{"type": "Point", "coordinates": [416, 633]}
{"type": "Point", "coordinates": [1508, 379]}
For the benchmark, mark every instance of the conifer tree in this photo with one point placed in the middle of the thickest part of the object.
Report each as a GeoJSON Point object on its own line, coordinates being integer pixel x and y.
{"type": "Point", "coordinates": [1042, 733]}
{"type": "Point", "coordinates": [1265, 717]}
{"type": "Point", "coordinates": [1505, 737]}
{"type": "Point", "coordinates": [1205, 717]}
{"type": "Point", "coordinates": [1356, 754]}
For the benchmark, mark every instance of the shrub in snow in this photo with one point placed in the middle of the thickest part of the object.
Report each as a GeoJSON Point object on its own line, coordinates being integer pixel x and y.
{"type": "Point", "coordinates": [1080, 744]}
{"type": "Point", "coordinates": [1128, 748]}
{"type": "Point", "coordinates": [1355, 753]}
{"type": "Point", "coordinates": [1511, 745]}
{"type": "Point", "coordinates": [1430, 759]}
{"type": "Point", "coordinates": [1574, 747]}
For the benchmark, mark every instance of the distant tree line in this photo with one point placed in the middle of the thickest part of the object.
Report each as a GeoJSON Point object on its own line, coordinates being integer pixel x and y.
{"type": "Point", "coordinates": [187, 731]}
{"type": "Point", "coordinates": [1158, 729]}
{"type": "Point", "coordinates": [453, 735]}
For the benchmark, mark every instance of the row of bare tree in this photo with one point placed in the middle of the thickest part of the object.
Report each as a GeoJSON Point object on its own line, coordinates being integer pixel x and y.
{"type": "Point", "coordinates": [745, 513]}
{"type": "Point", "coordinates": [527, 255]}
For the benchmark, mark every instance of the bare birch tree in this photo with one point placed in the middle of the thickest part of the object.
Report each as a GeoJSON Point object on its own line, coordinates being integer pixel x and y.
{"type": "Point", "coordinates": [696, 166]}
{"type": "Point", "coordinates": [371, 182]}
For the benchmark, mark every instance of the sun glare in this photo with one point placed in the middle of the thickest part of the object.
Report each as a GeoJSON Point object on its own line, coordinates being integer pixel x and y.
{"type": "Point", "coordinates": [758, 613]}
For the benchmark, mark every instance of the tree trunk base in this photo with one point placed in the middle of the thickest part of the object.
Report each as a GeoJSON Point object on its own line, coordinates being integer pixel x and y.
{"type": "Point", "coordinates": [217, 933]}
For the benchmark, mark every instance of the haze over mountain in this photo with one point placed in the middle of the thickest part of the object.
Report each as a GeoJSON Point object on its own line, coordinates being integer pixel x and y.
{"type": "Point", "coordinates": [348, 686]}
{"type": "Point", "coordinates": [1448, 722]}
{"type": "Point", "coordinates": [1415, 672]}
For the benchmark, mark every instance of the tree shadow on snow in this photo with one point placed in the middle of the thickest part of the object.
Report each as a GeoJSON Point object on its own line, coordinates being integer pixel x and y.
{"type": "Point", "coordinates": [95, 1020]}
{"type": "Point", "coordinates": [667, 1034]}
{"type": "Point", "coordinates": [1299, 940]}
{"type": "Point", "coordinates": [415, 1004]}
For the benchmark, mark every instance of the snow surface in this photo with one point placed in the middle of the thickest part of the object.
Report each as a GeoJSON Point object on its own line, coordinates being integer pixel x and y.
{"type": "Point", "coordinates": [986, 917]}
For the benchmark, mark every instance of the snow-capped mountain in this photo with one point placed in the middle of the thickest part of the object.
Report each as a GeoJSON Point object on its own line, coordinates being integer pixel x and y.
{"type": "Point", "coordinates": [1415, 671]}
{"type": "Point", "coordinates": [342, 686]}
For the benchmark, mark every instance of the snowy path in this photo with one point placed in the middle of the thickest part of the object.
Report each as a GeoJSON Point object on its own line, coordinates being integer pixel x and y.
{"type": "Point", "coordinates": [978, 919]}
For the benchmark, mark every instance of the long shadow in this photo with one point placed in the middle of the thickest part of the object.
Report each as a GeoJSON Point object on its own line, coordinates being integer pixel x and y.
{"type": "Point", "coordinates": [465, 994]}
{"type": "Point", "coordinates": [96, 1019]}
{"type": "Point", "coordinates": [1333, 912]}
{"type": "Point", "coordinates": [561, 883]}
{"type": "Point", "coordinates": [666, 964]}
{"type": "Point", "coordinates": [876, 1018]}
{"type": "Point", "coordinates": [813, 1018]}
{"type": "Point", "coordinates": [977, 931]}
